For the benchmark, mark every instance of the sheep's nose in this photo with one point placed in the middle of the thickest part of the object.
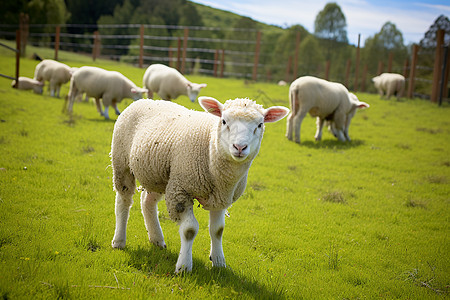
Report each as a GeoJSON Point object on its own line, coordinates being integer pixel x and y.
{"type": "Point", "coordinates": [240, 148]}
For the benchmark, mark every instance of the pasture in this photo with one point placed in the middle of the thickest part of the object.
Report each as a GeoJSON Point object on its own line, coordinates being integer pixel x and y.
{"type": "Point", "coordinates": [320, 220]}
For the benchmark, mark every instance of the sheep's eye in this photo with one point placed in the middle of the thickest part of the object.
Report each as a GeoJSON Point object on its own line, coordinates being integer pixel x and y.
{"type": "Point", "coordinates": [223, 122]}
{"type": "Point", "coordinates": [260, 125]}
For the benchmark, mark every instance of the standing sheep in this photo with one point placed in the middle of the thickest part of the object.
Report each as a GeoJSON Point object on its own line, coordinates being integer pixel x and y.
{"type": "Point", "coordinates": [391, 84]}
{"type": "Point", "coordinates": [168, 83]}
{"type": "Point", "coordinates": [328, 101]}
{"type": "Point", "coordinates": [110, 86]}
{"type": "Point", "coordinates": [185, 155]}
{"type": "Point", "coordinates": [55, 73]}
{"type": "Point", "coordinates": [26, 83]}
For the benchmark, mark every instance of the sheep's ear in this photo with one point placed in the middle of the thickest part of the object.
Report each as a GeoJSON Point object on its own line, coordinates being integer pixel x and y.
{"type": "Point", "coordinates": [211, 105]}
{"type": "Point", "coordinates": [203, 85]}
{"type": "Point", "coordinates": [275, 113]}
{"type": "Point", "coordinates": [362, 105]}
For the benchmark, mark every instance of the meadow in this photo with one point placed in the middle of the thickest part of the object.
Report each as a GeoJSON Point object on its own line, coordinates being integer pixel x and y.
{"type": "Point", "coordinates": [368, 219]}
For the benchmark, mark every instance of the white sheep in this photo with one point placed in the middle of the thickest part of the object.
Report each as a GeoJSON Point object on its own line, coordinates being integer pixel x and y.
{"type": "Point", "coordinates": [55, 73]}
{"type": "Point", "coordinates": [328, 101]}
{"type": "Point", "coordinates": [391, 84]}
{"type": "Point", "coordinates": [185, 155]}
{"type": "Point", "coordinates": [26, 83]}
{"type": "Point", "coordinates": [168, 83]}
{"type": "Point", "coordinates": [110, 86]}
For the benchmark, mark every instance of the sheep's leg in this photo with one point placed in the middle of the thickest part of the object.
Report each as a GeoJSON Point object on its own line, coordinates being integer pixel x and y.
{"type": "Point", "coordinates": [124, 185]}
{"type": "Point", "coordinates": [52, 89]}
{"type": "Point", "coordinates": [347, 125]}
{"type": "Point", "coordinates": [114, 104]}
{"type": "Point", "coordinates": [98, 105]}
{"type": "Point", "coordinates": [188, 231]}
{"type": "Point", "coordinates": [298, 119]}
{"type": "Point", "coordinates": [216, 226]}
{"type": "Point", "coordinates": [319, 123]}
{"type": "Point", "coordinates": [58, 88]}
{"type": "Point", "coordinates": [149, 206]}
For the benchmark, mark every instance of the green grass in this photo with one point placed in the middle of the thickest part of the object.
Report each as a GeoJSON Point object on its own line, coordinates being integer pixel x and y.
{"type": "Point", "coordinates": [367, 219]}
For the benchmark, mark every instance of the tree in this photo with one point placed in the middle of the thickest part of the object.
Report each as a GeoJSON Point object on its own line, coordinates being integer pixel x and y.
{"type": "Point", "coordinates": [429, 39]}
{"type": "Point", "coordinates": [330, 24]}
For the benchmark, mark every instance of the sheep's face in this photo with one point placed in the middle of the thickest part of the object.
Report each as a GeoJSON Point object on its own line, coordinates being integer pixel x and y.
{"type": "Point", "coordinates": [193, 89]}
{"type": "Point", "coordinates": [356, 104]}
{"type": "Point", "coordinates": [241, 125]}
{"type": "Point", "coordinates": [137, 93]}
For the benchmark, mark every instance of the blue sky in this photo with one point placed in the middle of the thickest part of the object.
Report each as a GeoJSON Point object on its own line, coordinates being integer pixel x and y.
{"type": "Point", "coordinates": [412, 17]}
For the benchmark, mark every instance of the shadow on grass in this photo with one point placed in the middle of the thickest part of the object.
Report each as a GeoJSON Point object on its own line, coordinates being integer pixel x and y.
{"type": "Point", "coordinates": [332, 144]}
{"type": "Point", "coordinates": [161, 262]}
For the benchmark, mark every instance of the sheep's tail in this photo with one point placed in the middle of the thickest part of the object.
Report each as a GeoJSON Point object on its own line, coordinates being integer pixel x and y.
{"type": "Point", "coordinates": [293, 101]}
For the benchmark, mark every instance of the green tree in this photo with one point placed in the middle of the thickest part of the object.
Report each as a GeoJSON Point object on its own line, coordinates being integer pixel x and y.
{"type": "Point", "coordinates": [330, 24]}
{"type": "Point", "coordinates": [311, 57]}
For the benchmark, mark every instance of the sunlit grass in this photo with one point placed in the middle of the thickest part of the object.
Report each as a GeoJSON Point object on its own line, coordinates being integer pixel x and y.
{"type": "Point", "coordinates": [329, 220]}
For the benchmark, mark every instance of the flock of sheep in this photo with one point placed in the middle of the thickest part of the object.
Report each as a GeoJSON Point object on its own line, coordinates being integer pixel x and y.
{"type": "Point", "coordinates": [187, 155]}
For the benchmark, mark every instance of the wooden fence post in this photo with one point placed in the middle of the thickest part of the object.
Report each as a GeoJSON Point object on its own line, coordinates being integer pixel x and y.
{"type": "Point", "coordinates": [255, 63]}
{"type": "Point", "coordinates": [141, 47]}
{"type": "Point", "coordinates": [57, 34]}
{"type": "Point", "coordinates": [222, 63]}
{"type": "Point", "coordinates": [355, 87]}
{"type": "Point", "coordinates": [24, 28]}
{"type": "Point", "coordinates": [347, 72]}
{"type": "Point", "coordinates": [17, 57]}
{"type": "Point", "coordinates": [437, 65]}
{"type": "Point", "coordinates": [216, 57]}
{"type": "Point", "coordinates": [96, 49]}
{"type": "Point", "coordinates": [391, 56]}
{"type": "Point", "coordinates": [179, 54]}
{"type": "Point", "coordinates": [412, 72]}
{"type": "Point", "coordinates": [297, 49]}
{"type": "Point", "coordinates": [185, 40]}
{"type": "Point", "coordinates": [327, 70]}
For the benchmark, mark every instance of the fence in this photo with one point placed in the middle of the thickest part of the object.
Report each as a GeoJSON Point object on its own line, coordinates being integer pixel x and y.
{"type": "Point", "coordinates": [227, 52]}
{"type": "Point", "coordinates": [17, 51]}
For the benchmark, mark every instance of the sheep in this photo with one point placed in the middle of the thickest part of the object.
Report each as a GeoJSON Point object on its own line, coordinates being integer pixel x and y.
{"type": "Point", "coordinates": [168, 83]}
{"type": "Point", "coordinates": [110, 86]}
{"type": "Point", "coordinates": [26, 83]}
{"type": "Point", "coordinates": [185, 155]}
{"type": "Point", "coordinates": [55, 73]}
{"type": "Point", "coordinates": [328, 101]}
{"type": "Point", "coordinates": [391, 83]}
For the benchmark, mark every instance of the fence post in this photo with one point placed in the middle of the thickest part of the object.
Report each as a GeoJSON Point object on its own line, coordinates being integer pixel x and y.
{"type": "Point", "coordinates": [355, 87]}
{"type": "Point", "coordinates": [327, 70]}
{"type": "Point", "coordinates": [185, 40]}
{"type": "Point", "coordinates": [222, 63]}
{"type": "Point", "coordinates": [347, 72]}
{"type": "Point", "coordinates": [24, 31]}
{"type": "Point", "coordinates": [17, 58]}
{"type": "Point", "coordinates": [96, 49]}
{"type": "Point", "coordinates": [443, 83]}
{"type": "Point", "coordinates": [380, 67]}
{"type": "Point", "coordinates": [391, 56]}
{"type": "Point", "coordinates": [437, 64]}
{"type": "Point", "coordinates": [405, 68]}
{"type": "Point", "coordinates": [179, 54]}
{"type": "Point", "coordinates": [58, 31]}
{"type": "Point", "coordinates": [412, 72]}
{"type": "Point", "coordinates": [216, 57]}
{"type": "Point", "coordinates": [297, 48]}
{"type": "Point", "coordinates": [255, 64]}
{"type": "Point", "coordinates": [141, 47]}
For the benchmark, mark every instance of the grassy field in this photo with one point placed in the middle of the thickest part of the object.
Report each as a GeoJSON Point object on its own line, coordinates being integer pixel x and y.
{"type": "Point", "coordinates": [361, 220]}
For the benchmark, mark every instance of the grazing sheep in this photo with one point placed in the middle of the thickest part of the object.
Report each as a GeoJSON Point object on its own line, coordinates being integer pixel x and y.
{"type": "Point", "coordinates": [110, 86]}
{"type": "Point", "coordinates": [168, 83]}
{"type": "Point", "coordinates": [282, 83]}
{"type": "Point", "coordinates": [185, 155]}
{"type": "Point", "coordinates": [391, 84]}
{"type": "Point", "coordinates": [26, 83]}
{"type": "Point", "coordinates": [55, 73]}
{"type": "Point", "coordinates": [328, 101]}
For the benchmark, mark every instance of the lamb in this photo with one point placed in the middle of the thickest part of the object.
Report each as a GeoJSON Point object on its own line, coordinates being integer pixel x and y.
{"type": "Point", "coordinates": [110, 86]}
{"type": "Point", "coordinates": [328, 101]}
{"type": "Point", "coordinates": [391, 84]}
{"type": "Point", "coordinates": [168, 83]}
{"type": "Point", "coordinates": [26, 83]}
{"type": "Point", "coordinates": [185, 155]}
{"type": "Point", "coordinates": [55, 73]}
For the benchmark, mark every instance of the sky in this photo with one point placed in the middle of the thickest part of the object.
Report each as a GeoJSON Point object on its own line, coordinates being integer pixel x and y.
{"type": "Point", "coordinates": [366, 17]}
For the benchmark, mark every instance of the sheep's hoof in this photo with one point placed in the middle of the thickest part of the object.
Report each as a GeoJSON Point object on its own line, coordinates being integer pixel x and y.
{"type": "Point", "coordinates": [118, 244]}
